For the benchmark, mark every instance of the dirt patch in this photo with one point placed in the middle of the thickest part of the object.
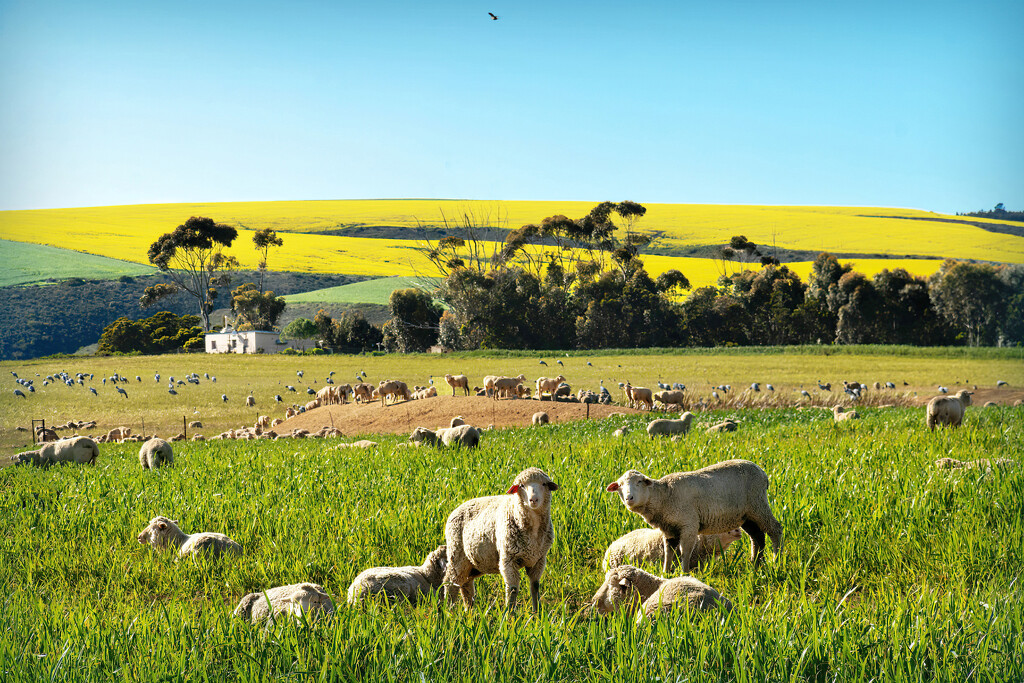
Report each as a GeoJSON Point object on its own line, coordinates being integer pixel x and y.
{"type": "Point", "coordinates": [432, 413]}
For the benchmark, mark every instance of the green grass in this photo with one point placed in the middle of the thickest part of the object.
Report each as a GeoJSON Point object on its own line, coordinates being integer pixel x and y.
{"type": "Point", "coordinates": [377, 291]}
{"type": "Point", "coordinates": [891, 570]}
{"type": "Point", "coordinates": [24, 263]}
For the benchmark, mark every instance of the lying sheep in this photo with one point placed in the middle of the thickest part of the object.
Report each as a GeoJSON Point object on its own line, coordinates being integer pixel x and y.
{"type": "Point", "coordinates": [620, 432]}
{"type": "Point", "coordinates": [984, 463]}
{"type": "Point", "coordinates": [500, 534]}
{"type": "Point", "coordinates": [712, 500]}
{"type": "Point", "coordinates": [541, 418]}
{"type": "Point", "coordinates": [669, 427]}
{"type": "Point", "coordinates": [457, 382]}
{"type": "Point", "coordinates": [406, 583]}
{"type": "Point", "coordinates": [44, 434]}
{"type": "Point", "coordinates": [154, 453]}
{"type": "Point", "coordinates": [947, 410]}
{"type": "Point", "coordinates": [629, 586]}
{"type": "Point", "coordinates": [295, 600]}
{"type": "Point", "coordinates": [362, 443]}
{"type": "Point", "coordinates": [839, 414]}
{"type": "Point", "coordinates": [648, 545]}
{"type": "Point", "coordinates": [79, 449]}
{"type": "Point", "coordinates": [723, 426]}
{"type": "Point", "coordinates": [162, 532]}
{"type": "Point", "coordinates": [466, 436]}
{"type": "Point", "coordinates": [457, 421]}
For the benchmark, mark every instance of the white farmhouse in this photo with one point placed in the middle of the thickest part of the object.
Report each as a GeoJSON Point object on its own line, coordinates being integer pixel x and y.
{"type": "Point", "coordinates": [228, 340]}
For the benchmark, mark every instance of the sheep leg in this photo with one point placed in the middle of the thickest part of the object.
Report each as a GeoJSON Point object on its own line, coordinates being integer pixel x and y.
{"type": "Point", "coordinates": [534, 573]}
{"type": "Point", "coordinates": [671, 542]}
{"type": "Point", "coordinates": [510, 574]}
{"type": "Point", "coordinates": [685, 544]}
{"type": "Point", "coordinates": [756, 539]}
{"type": "Point", "coordinates": [468, 590]}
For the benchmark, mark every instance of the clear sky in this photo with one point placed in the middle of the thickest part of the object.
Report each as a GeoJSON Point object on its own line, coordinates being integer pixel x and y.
{"type": "Point", "coordinates": [914, 103]}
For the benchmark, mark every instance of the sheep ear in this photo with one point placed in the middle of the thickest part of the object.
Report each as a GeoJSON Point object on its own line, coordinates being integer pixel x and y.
{"type": "Point", "coordinates": [552, 486]}
{"type": "Point", "coordinates": [161, 525]}
{"type": "Point", "coordinates": [614, 486]}
{"type": "Point", "coordinates": [624, 582]}
{"type": "Point", "coordinates": [646, 482]}
{"type": "Point", "coordinates": [514, 488]}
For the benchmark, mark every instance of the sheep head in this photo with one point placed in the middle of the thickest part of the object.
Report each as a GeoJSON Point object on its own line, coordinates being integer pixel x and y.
{"type": "Point", "coordinates": [534, 488]}
{"type": "Point", "coordinates": [619, 588]}
{"type": "Point", "coordinates": [160, 533]}
{"type": "Point", "coordinates": [633, 487]}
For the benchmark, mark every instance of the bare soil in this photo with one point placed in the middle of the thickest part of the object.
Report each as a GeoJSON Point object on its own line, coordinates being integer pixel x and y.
{"type": "Point", "coordinates": [432, 413]}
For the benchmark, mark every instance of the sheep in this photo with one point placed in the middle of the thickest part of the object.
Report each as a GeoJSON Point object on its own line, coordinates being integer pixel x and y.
{"type": "Point", "coordinates": [464, 435]}
{"type": "Point", "coordinates": [627, 585]}
{"type": "Point", "coordinates": [289, 413]}
{"type": "Point", "coordinates": [506, 386]}
{"type": "Point", "coordinates": [457, 382]}
{"type": "Point", "coordinates": [669, 427]}
{"type": "Point", "coordinates": [118, 433]}
{"type": "Point", "coordinates": [648, 545]}
{"type": "Point", "coordinates": [711, 500]}
{"type": "Point", "coordinates": [263, 422]}
{"type": "Point", "coordinates": [548, 385]}
{"type": "Point", "coordinates": [457, 421]}
{"type": "Point", "coordinates": [154, 453]}
{"type": "Point", "coordinates": [839, 414]}
{"type": "Point", "coordinates": [362, 392]}
{"type": "Point", "coordinates": [541, 418]}
{"type": "Point", "coordinates": [990, 404]}
{"type": "Point", "coordinates": [985, 463]}
{"type": "Point", "coordinates": [395, 389]}
{"type": "Point", "coordinates": [195, 425]}
{"type": "Point", "coordinates": [296, 600]}
{"type": "Point", "coordinates": [489, 384]}
{"type": "Point", "coordinates": [670, 398]}
{"type": "Point", "coordinates": [726, 425]}
{"type": "Point", "coordinates": [500, 534]}
{"type": "Point", "coordinates": [620, 432]}
{"type": "Point", "coordinates": [406, 583]}
{"type": "Point", "coordinates": [947, 410]}
{"type": "Point", "coordinates": [312, 405]}
{"type": "Point", "coordinates": [162, 532]}
{"type": "Point", "coordinates": [362, 443]}
{"type": "Point", "coordinates": [250, 401]}
{"type": "Point", "coordinates": [637, 396]}
{"type": "Point", "coordinates": [80, 449]}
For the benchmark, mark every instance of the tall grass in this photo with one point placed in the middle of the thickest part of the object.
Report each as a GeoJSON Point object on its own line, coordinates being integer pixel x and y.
{"type": "Point", "coordinates": [891, 569]}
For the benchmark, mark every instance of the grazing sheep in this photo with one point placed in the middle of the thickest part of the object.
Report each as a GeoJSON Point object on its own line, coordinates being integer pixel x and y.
{"type": "Point", "coordinates": [394, 389]}
{"type": "Point", "coordinates": [637, 396]}
{"type": "Point", "coordinates": [163, 532]}
{"type": "Point", "coordinates": [648, 545]}
{"type": "Point", "coordinates": [463, 435]}
{"type": "Point", "coordinates": [43, 434]}
{"type": "Point", "coordinates": [669, 427]}
{"type": "Point", "coordinates": [457, 382]}
{"type": "Point", "coordinates": [27, 458]}
{"type": "Point", "coordinates": [947, 410]}
{"type": "Point", "coordinates": [629, 586]}
{"type": "Point", "coordinates": [295, 600]}
{"type": "Point", "coordinates": [154, 453]}
{"type": "Point", "coordinates": [499, 535]}
{"type": "Point", "coordinates": [839, 414]}
{"type": "Point", "coordinates": [985, 464]}
{"type": "Point", "coordinates": [541, 418]}
{"type": "Point", "coordinates": [362, 392]}
{"type": "Point", "coordinates": [118, 433]}
{"type": "Point", "coordinates": [548, 385]}
{"type": "Point", "coordinates": [723, 426]}
{"type": "Point", "coordinates": [670, 398]}
{"type": "Point", "coordinates": [407, 583]}
{"type": "Point", "coordinates": [712, 500]}
{"type": "Point", "coordinates": [290, 412]}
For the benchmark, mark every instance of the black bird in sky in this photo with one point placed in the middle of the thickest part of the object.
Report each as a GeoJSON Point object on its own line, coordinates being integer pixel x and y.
{"type": "Point", "coordinates": [492, 16]}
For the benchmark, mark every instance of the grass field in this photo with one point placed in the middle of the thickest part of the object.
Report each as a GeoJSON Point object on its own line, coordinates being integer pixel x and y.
{"type": "Point", "coordinates": [367, 292]}
{"type": "Point", "coordinates": [891, 570]}
{"type": "Point", "coordinates": [23, 263]}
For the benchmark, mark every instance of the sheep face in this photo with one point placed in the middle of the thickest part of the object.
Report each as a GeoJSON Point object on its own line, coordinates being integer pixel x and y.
{"type": "Point", "coordinates": [160, 532]}
{"type": "Point", "coordinates": [633, 487]}
{"type": "Point", "coordinates": [534, 489]}
{"type": "Point", "coordinates": [617, 590]}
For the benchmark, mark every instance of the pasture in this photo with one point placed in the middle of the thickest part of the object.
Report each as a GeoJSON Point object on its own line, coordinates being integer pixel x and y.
{"type": "Point", "coordinates": [24, 263]}
{"type": "Point", "coordinates": [377, 291]}
{"type": "Point", "coordinates": [891, 569]}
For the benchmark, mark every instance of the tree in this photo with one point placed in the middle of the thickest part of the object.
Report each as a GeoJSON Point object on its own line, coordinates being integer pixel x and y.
{"type": "Point", "coordinates": [300, 328]}
{"type": "Point", "coordinates": [255, 310]}
{"type": "Point", "coordinates": [351, 333]}
{"type": "Point", "coordinates": [264, 240]}
{"type": "Point", "coordinates": [414, 321]}
{"type": "Point", "coordinates": [971, 298]}
{"type": "Point", "coordinates": [193, 258]}
{"type": "Point", "coordinates": [162, 332]}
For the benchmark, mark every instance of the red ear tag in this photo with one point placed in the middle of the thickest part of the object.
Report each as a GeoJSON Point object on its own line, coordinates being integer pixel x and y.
{"type": "Point", "coordinates": [614, 486]}
{"type": "Point", "coordinates": [513, 489]}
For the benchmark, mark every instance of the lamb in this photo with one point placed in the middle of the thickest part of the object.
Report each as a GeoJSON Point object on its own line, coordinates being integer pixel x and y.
{"type": "Point", "coordinates": [457, 382]}
{"type": "Point", "coordinates": [648, 545]}
{"type": "Point", "coordinates": [839, 414]}
{"type": "Point", "coordinates": [464, 435]}
{"type": "Point", "coordinates": [500, 534]}
{"type": "Point", "coordinates": [726, 425]}
{"type": "Point", "coordinates": [541, 418]}
{"type": "Point", "coordinates": [154, 453]}
{"type": "Point", "coordinates": [986, 464]}
{"type": "Point", "coordinates": [627, 585]}
{"type": "Point", "coordinates": [670, 398]}
{"type": "Point", "coordinates": [546, 385]}
{"type": "Point", "coordinates": [669, 427]}
{"type": "Point", "coordinates": [162, 532]}
{"type": "Point", "coordinates": [947, 410]}
{"type": "Point", "coordinates": [296, 600]}
{"type": "Point", "coordinates": [401, 583]}
{"type": "Point", "coordinates": [711, 500]}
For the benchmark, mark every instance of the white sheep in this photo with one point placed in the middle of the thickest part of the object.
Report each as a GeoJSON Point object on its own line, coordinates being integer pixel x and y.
{"type": "Point", "coordinates": [669, 427]}
{"type": "Point", "coordinates": [79, 449]}
{"type": "Point", "coordinates": [507, 386]}
{"type": "Point", "coordinates": [726, 425]}
{"type": "Point", "coordinates": [499, 535]}
{"type": "Point", "coordinates": [637, 396]}
{"type": "Point", "coordinates": [154, 453]}
{"type": "Point", "coordinates": [457, 382]}
{"type": "Point", "coordinates": [466, 436]}
{"type": "Point", "coordinates": [162, 532]}
{"type": "Point", "coordinates": [712, 500]}
{"type": "Point", "coordinates": [405, 583]}
{"type": "Point", "coordinates": [541, 418]}
{"type": "Point", "coordinates": [548, 385]}
{"type": "Point", "coordinates": [295, 600]}
{"type": "Point", "coordinates": [839, 414]}
{"type": "Point", "coordinates": [648, 545]}
{"type": "Point", "coordinates": [457, 421]}
{"type": "Point", "coordinates": [620, 432]}
{"type": "Point", "coordinates": [670, 398]}
{"type": "Point", "coordinates": [947, 410]}
{"type": "Point", "coordinates": [630, 586]}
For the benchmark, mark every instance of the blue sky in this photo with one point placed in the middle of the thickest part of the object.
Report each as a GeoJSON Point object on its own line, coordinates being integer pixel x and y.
{"type": "Point", "coordinates": [912, 104]}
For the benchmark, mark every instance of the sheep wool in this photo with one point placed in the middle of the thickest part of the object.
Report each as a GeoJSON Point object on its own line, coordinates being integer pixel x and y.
{"type": "Point", "coordinates": [400, 583]}
{"type": "Point", "coordinates": [163, 532]}
{"type": "Point", "coordinates": [629, 586]}
{"type": "Point", "coordinates": [295, 600]}
{"type": "Point", "coordinates": [648, 546]}
{"type": "Point", "coordinates": [154, 453]}
{"type": "Point", "coordinates": [947, 410]}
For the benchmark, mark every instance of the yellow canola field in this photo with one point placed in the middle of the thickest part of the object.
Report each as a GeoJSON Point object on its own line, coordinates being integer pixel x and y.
{"type": "Point", "coordinates": [118, 231]}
